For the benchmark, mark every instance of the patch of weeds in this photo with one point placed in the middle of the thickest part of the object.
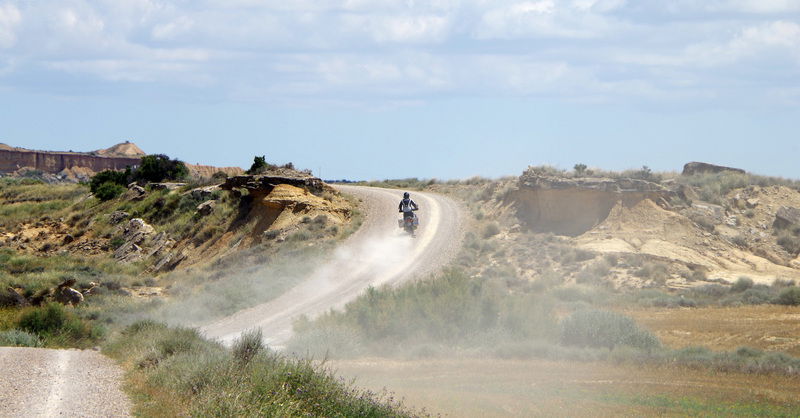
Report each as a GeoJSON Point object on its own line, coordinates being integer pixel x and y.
{"type": "Point", "coordinates": [19, 338]}
{"type": "Point", "coordinates": [742, 283]}
{"type": "Point", "coordinates": [789, 296]}
{"type": "Point", "coordinates": [595, 328]}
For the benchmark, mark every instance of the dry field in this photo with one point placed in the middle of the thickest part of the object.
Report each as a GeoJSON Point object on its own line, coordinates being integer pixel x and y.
{"type": "Point", "coordinates": [768, 327]}
{"type": "Point", "coordinates": [474, 387]}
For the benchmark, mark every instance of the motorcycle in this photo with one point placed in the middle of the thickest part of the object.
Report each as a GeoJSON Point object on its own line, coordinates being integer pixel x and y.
{"type": "Point", "coordinates": [409, 224]}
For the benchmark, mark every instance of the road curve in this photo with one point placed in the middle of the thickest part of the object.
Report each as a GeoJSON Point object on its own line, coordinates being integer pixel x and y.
{"type": "Point", "coordinates": [378, 253]}
{"type": "Point", "coordinates": [40, 382]}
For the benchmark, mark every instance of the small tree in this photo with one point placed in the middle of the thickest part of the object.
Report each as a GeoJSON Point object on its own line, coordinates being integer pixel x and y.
{"type": "Point", "coordinates": [159, 167]}
{"type": "Point", "coordinates": [259, 165]}
{"type": "Point", "coordinates": [580, 169]}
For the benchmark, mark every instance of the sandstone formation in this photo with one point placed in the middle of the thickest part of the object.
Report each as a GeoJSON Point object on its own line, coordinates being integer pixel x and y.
{"type": "Point", "coordinates": [208, 171]}
{"type": "Point", "coordinates": [66, 295]}
{"type": "Point", "coordinates": [572, 206]}
{"type": "Point", "coordinates": [13, 159]}
{"type": "Point", "coordinates": [82, 165]}
{"type": "Point", "coordinates": [695, 167]}
{"type": "Point", "coordinates": [261, 185]}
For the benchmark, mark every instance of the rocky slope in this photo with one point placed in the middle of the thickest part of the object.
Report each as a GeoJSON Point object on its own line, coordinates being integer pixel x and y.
{"type": "Point", "coordinates": [634, 232]}
{"type": "Point", "coordinates": [166, 226]}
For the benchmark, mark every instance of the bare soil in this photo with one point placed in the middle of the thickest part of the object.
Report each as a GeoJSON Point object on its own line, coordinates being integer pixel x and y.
{"type": "Point", "coordinates": [504, 388]}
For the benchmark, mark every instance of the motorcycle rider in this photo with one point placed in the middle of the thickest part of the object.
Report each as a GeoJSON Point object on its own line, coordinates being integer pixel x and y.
{"type": "Point", "coordinates": [407, 206]}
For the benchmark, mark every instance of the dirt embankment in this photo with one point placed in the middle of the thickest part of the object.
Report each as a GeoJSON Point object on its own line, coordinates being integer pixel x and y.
{"type": "Point", "coordinates": [171, 225]}
{"type": "Point", "coordinates": [746, 235]}
{"type": "Point", "coordinates": [571, 207]}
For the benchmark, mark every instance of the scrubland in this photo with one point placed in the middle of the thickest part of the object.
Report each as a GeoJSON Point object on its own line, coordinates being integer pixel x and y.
{"type": "Point", "coordinates": [535, 323]}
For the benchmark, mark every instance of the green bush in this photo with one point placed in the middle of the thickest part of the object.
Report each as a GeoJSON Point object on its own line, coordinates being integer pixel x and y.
{"type": "Point", "coordinates": [789, 296]}
{"type": "Point", "coordinates": [46, 320]}
{"type": "Point", "coordinates": [158, 167]}
{"type": "Point", "coordinates": [595, 328]}
{"type": "Point", "coordinates": [108, 191]}
{"type": "Point", "coordinates": [742, 284]}
{"type": "Point", "coordinates": [259, 165]}
{"type": "Point", "coordinates": [248, 345]}
{"type": "Point", "coordinates": [121, 178]}
{"type": "Point", "coordinates": [59, 326]}
{"type": "Point", "coordinates": [18, 338]}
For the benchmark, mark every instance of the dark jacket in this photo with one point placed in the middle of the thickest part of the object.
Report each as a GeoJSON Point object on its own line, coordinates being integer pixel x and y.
{"type": "Point", "coordinates": [407, 205]}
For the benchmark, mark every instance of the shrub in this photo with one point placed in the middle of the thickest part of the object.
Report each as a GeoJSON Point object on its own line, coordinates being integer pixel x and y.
{"type": "Point", "coordinates": [490, 230]}
{"type": "Point", "coordinates": [44, 320]}
{"type": "Point", "coordinates": [108, 191]}
{"type": "Point", "coordinates": [789, 296]}
{"type": "Point", "coordinates": [656, 272]}
{"type": "Point", "coordinates": [120, 178]}
{"type": "Point", "coordinates": [789, 242]}
{"type": "Point", "coordinates": [782, 283]}
{"type": "Point", "coordinates": [249, 344]}
{"type": "Point", "coordinates": [710, 291]}
{"type": "Point", "coordinates": [56, 325]}
{"type": "Point", "coordinates": [158, 167]}
{"type": "Point", "coordinates": [580, 169]}
{"type": "Point", "coordinates": [594, 328]}
{"type": "Point", "coordinates": [259, 165]}
{"type": "Point", "coordinates": [18, 338]}
{"type": "Point", "coordinates": [742, 283]}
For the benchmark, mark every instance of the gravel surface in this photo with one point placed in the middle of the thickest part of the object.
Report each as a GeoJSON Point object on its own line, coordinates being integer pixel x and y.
{"type": "Point", "coordinates": [378, 253]}
{"type": "Point", "coordinates": [40, 382]}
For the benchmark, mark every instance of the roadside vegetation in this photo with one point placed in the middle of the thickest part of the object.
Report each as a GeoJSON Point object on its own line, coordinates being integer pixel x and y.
{"type": "Point", "coordinates": [175, 372]}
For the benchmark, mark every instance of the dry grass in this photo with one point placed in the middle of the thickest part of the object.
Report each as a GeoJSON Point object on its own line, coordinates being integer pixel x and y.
{"type": "Point", "coordinates": [473, 387]}
{"type": "Point", "coordinates": [767, 327]}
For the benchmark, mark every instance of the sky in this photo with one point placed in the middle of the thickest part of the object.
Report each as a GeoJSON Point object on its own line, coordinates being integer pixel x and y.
{"type": "Point", "coordinates": [377, 89]}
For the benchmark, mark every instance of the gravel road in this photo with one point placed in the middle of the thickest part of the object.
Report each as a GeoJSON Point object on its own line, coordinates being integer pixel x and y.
{"type": "Point", "coordinates": [378, 253]}
{"type": "Point", "coordinates": [40, 382]}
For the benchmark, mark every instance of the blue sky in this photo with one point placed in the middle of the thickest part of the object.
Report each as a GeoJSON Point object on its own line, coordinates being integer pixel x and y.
{"type": "Point", "coordinates": [439, 88]}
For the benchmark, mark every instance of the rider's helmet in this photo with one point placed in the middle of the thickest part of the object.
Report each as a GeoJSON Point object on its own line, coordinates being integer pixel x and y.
{"type": "Point", "coordinates": [406, 195]}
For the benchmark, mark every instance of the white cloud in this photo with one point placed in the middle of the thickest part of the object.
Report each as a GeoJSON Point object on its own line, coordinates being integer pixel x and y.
{"type": "Point", "coordinates": [547, 19]}
{"type": "Point", "coordinates": [381, 50]}
{"type": "Point", "coordinates": [10, 18]}
{"type": "Point", "coordinates": [402, 29]}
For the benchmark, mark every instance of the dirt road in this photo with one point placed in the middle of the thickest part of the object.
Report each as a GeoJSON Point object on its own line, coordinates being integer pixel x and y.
{"type": "Point", "coordinates": [39, 382]}
{"type": "Point", "coordinates": [378, 253]}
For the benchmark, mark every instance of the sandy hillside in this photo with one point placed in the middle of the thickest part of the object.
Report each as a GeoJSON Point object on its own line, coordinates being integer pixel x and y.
{"type": "Point", "coordinates": [651, 230]}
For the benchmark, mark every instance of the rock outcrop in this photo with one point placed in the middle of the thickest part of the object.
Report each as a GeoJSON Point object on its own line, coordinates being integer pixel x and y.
{"type": "Point", "coordinates": [14, 159]}
{"type": "Point", "coordinates": [261, 185]}
{"type": "Point", "coordinates": [695, 167]}
{"type": "Point", "coordinates": [787, 216]}
{"type": "Point", "coordinates": [572, 206]}
{"type": "Point", "coordinates": [66, 295]}
{"type": "Point", "coordinates": [207, 171]}
{"type": "Point", "coordinates": [135, 233]}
